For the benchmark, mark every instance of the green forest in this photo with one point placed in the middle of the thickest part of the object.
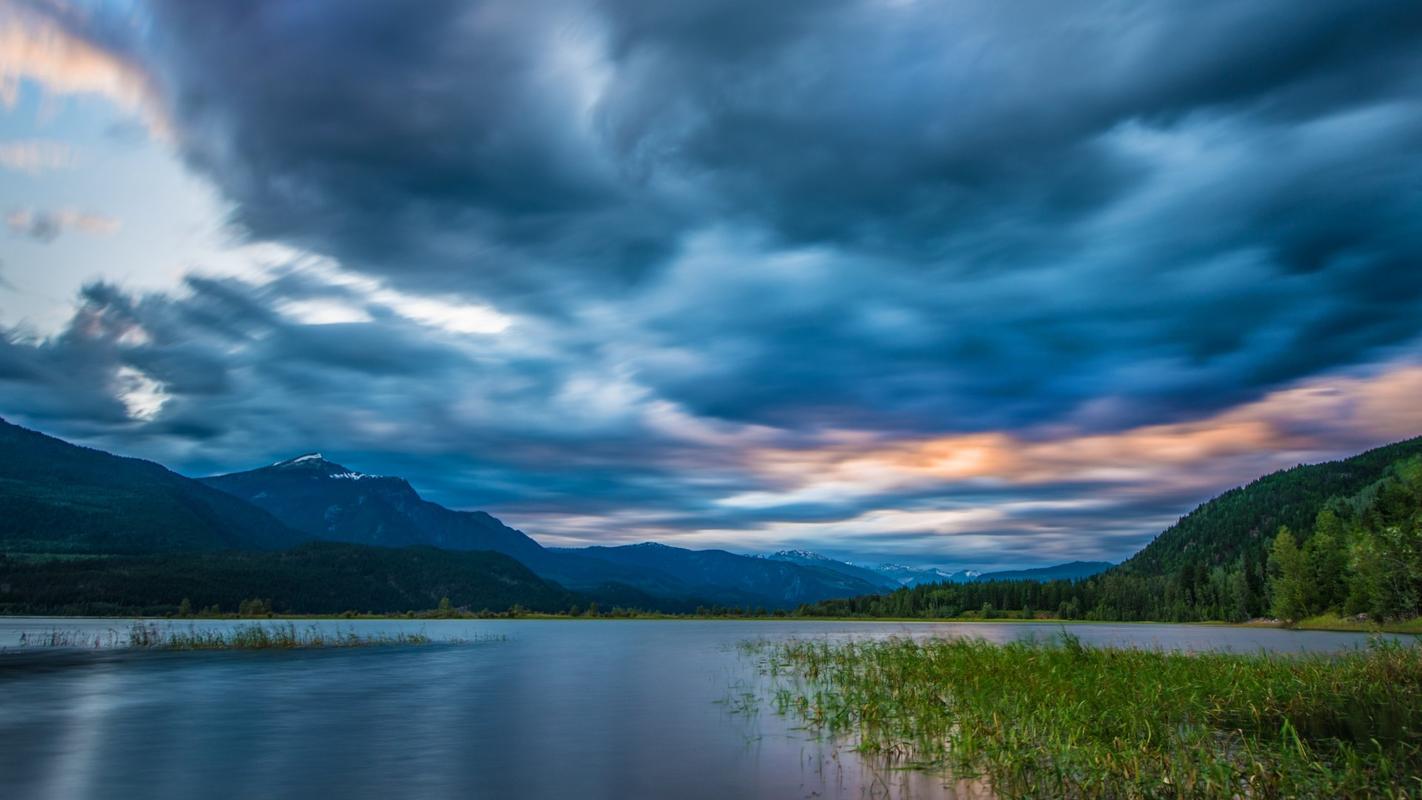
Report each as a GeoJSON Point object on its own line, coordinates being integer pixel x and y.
{"type": "Point", "coordinates": [1289, 546]}
{"type": "Point", "coordinates": [315, 578]}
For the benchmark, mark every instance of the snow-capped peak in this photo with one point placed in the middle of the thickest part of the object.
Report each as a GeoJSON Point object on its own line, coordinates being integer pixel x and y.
{"type": "Point", "coordinates": [316, 465]}
{"type": "Point", "coordinates": [307, 457]}
{"type": "Point", "coordinates": [802, 555]}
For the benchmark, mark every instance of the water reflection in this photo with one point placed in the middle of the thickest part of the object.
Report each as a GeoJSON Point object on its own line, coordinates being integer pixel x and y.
{"type": "Point", "coordinates": [559, 709]}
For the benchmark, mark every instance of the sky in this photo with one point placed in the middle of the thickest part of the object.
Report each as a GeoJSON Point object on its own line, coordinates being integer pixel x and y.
{"type": "Point", "coordinates": [967, 284]}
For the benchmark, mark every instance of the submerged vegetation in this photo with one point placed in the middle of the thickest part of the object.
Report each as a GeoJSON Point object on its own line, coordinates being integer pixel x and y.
{"type": "Point", "coordinates": [1063, 720]}
{"type": "Point", "coordinates": [151, 636]}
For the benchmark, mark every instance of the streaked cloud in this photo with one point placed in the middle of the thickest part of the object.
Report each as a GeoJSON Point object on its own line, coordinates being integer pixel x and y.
{"type": "Point", "coordinates": [1315, 419]}
{"type": "Point", "coordinates": [44, 43]}
{"type": "Point", "coordinates": [46, 226]}
{"type": "Point", "coordinates": [34, 156]}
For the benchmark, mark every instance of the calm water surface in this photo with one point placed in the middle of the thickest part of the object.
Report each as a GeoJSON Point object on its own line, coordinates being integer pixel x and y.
{"type": "Point", "coordinates": [564, 709]}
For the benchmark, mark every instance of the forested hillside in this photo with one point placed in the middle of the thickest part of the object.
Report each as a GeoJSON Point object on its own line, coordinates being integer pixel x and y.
{"type": "Point", "coordinates": [60, 498]}
{"type": "Point", "coordinates": [1343, 536]}
{"type": "Point", "coordinates": [1244, 520]}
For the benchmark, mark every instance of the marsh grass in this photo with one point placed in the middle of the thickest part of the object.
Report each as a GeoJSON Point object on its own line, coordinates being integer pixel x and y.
{"type": "Point", "coordinates": [1064, 720]}
{"type": "Point", "coordinates": [151, 636]}
{"type": "Point", "coordinates": [263, 637]}
{"type": "Point", "coordinates": [1334, 622]}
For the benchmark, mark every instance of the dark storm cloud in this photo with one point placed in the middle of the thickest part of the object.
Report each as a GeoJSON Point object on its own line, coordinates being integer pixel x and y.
{"type": "Point", "coordinates": [1010, 219]}
{"type": "Point", "coordinates": [898, 126]}
{"type": "Point", "coordinates": [729, 225]}
{"type": "Point", "coordinates": [415, 141]}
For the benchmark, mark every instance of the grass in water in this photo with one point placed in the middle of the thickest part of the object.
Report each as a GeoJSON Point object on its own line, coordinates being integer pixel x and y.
{"type": "Point", "coordinates": [1063, 720]}
{"type": "Point", "coordinates": [150, 636]}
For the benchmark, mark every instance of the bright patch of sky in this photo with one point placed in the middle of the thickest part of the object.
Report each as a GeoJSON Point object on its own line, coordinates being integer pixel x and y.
{"type": "Point", "coordinates": [138, 218]}
{"type": "Point", "coordinates": [89, 193]}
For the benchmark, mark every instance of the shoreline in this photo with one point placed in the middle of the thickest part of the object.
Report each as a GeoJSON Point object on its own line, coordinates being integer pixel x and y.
{"type": "Point", "coordinates": [1327, 624]}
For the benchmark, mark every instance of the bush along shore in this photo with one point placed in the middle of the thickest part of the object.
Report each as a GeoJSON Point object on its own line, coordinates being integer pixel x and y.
{"type": "Point", "coordinates": [151, 636]}
{"type": "Point", "coordinates": [1063, 720]}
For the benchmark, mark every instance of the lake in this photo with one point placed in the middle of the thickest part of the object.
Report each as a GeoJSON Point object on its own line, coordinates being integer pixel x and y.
{"type": "Point", "coordinates": [566, 709]}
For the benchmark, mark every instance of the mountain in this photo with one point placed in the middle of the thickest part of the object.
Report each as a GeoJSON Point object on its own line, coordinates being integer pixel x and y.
{"type": "Point", "coordinates": [332, 502]}
{"type": "Point", "coordinates": [1222, 561]}
{"type": "Point", "coordinates": [61, 498]}
{"type": "Point", "coordinates": [893, 576]}
{"type": "Point", "coordinates": [1070, 571]}
{"type": "Point", "coordinates": [316, 578]}
{"type": "Point", "coordinates": [809, 559]}
{"type": "Point", "coordinates": [730, 579]}
{"type": "Point", "coordinates": [901, 575]}
{"type": "Point", "coordinates": [1243, 520]}
{"type": "Point", "coordinates": [328, 501]}
{"type": "Point", "coordinates": [64, 499]}
{"type": "Point", "coordinates": [918, 576]}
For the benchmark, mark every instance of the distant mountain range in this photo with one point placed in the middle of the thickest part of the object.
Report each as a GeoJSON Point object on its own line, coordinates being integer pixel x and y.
{"type": "Point", "coordinates": [326, 500]}
{"type": "Point", "coordinates": [730, 579]}
{"type": "Point", "coordinates": [64, 500]}
{"type": "Point", "coordinates": [902, 575]}
{"type": "Point", "coordinates": [84, 531]}
{"type": "Point", "coordinates": [806, 558]}
{"type": "Point", "coordinates": [1072, 570]}
{"type": "Point", "coordinates": [134, 535]}
{"type": "Point", "coordinates": [893, 576]}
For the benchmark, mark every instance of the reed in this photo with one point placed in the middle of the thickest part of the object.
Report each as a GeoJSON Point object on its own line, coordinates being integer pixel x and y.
{"type": "Point", "coordinates": [256, 636]}
{"type": "Point", "coordinates": [262, 637]}
{"type": "Point", "coordinates": [1063, 720]}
